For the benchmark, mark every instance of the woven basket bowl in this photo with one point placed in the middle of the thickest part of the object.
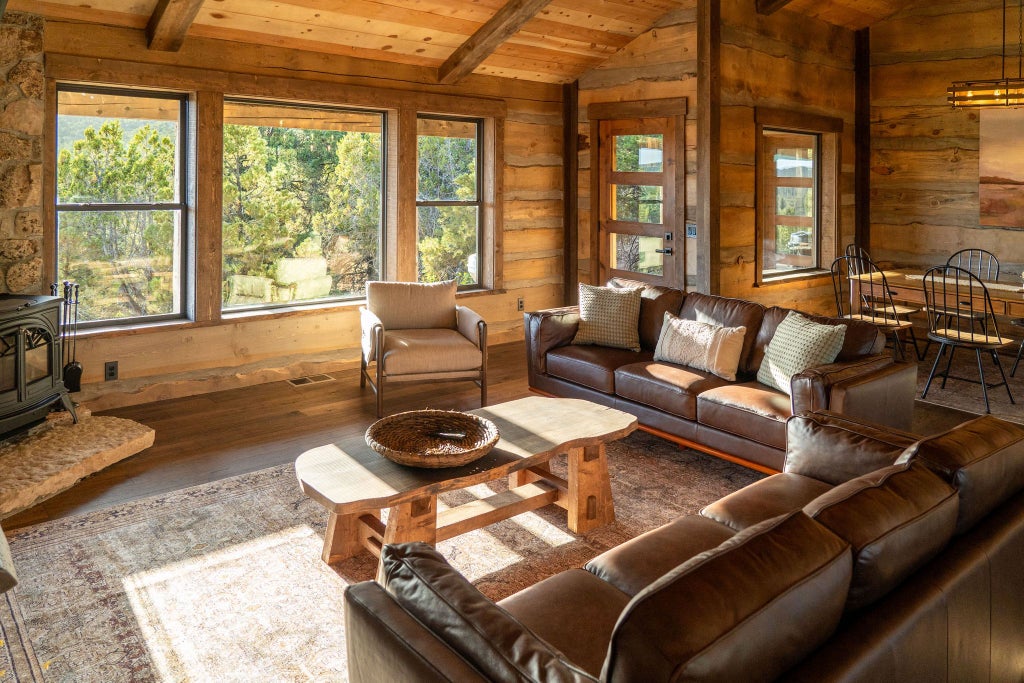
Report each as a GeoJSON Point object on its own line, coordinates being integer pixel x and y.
{"type": "Point", "coordinates": [428, 438]}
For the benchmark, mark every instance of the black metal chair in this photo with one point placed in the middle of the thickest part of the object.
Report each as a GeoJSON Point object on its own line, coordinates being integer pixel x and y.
{"type": "Point", "coordinates": [982, 264]}
{"type": "Point", "coordinates": [1017, 322]}
{"type": "Point", "coordinates": [964, 301]}
{"type": "Point", "coordinates": [862, 293]}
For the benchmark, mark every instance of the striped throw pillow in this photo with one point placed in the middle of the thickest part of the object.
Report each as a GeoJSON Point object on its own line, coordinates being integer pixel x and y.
{"type": "Point", "coordinates": [609, 316]}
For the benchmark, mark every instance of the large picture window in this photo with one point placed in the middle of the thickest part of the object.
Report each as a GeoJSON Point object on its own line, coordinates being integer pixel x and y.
{"type": "Point", "coordinates": [120, 201]}
{"type": "Point", "coordinates": [303, 198]}
{"type": "Point", "coordinates": [448, 200]}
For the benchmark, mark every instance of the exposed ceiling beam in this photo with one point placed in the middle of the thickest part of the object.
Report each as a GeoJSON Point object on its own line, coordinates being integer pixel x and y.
{"type": "Point", "coordinates": [771, 6]}
{"type": "Point", "coordinates": [169, 23]}
{"type": "Point", "coordinates": [487, 38]}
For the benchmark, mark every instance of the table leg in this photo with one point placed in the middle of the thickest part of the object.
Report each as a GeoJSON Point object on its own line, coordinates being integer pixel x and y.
{"type": "Point", "coordinates": [590, 489]}
{"type": "Point", "coordinates": [341, 540]}
{"type": "Point", "coordinates": [415, 520]}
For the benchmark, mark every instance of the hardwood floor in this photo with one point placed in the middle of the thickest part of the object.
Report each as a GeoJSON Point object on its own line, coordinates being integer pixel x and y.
{"type": "Point", "coordinates": [204, 438]}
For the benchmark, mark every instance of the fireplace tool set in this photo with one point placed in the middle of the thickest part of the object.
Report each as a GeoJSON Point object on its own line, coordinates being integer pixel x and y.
{"type": "Point", "coordinates": [69, 334]}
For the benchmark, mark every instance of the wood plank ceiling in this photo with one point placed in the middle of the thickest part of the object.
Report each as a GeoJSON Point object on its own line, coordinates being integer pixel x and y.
{"type": "Point", "coordinates": [552, 41]}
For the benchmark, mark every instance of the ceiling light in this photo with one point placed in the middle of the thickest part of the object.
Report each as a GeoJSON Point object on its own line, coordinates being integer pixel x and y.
{"type": "Point", "coordinates": [1002, 92]}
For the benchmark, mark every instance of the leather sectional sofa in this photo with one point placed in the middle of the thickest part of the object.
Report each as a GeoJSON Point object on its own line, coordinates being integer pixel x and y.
{"type": "Point", "coordinates": [872, 557]}
{"type": "Point", "coordinates": [742, 420]}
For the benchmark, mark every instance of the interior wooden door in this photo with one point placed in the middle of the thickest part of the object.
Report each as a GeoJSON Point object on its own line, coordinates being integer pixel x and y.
{"type": "Point", "coordinates": [637, 232]}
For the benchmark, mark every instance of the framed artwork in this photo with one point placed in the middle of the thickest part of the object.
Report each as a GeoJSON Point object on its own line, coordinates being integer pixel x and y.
{"type": "Point", "coordinates": [1001, 168]}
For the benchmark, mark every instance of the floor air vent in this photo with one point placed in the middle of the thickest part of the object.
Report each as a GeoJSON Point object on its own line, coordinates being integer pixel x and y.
{"type": "Point", "coordinates": [311, 379]}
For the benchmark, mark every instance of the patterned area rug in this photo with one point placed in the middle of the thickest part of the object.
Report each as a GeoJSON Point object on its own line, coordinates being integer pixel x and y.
{"type": "Point", "coordinates": [967, 395]}
{"type": "Point", "coordinates": [223, 582]}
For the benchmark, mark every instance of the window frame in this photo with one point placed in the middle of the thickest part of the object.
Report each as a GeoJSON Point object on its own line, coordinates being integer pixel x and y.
{"type": "Point", "coordinates": [382, 234]}
{"type": "Point", "coordinates": [828, 133]}
{"type": "Point", "coordinates": [183, 153]}
{"type": "Point", "coordinates": [483, 259]}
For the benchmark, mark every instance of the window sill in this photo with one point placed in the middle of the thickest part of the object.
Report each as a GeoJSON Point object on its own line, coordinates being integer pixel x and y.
{"type": "Point", "coordinates": [795, 277]}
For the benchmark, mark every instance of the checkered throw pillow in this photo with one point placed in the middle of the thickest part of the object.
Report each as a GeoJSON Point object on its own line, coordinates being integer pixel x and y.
{"type": "Point", "coordinates": [609, 316]}
{"type": "Point", "coordinates": [798, 344]}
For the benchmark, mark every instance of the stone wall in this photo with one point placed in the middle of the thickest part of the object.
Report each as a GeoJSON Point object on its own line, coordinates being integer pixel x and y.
{"type": "Point", "coordinates": [21, 156]}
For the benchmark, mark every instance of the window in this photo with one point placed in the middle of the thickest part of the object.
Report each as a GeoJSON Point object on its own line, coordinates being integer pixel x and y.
{"type": "Point", "coordinates": [120, 201]}
{"type": "Point", "coordinates": [303, 198]}
{"type": "Point", "coordinates": [797, 198]}
{"type": "Point", "coordinates": [448, 200]}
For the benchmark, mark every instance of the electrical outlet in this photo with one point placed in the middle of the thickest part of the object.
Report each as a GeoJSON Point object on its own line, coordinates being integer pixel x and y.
{"type": "Point", "coordinates": [110, 371]}
{"type": "Point", "coordinates": [519, 304]}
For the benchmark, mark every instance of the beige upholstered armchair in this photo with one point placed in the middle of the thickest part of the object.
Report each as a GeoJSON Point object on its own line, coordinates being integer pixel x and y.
{"type": "Point", "coordinates": [414, 332]}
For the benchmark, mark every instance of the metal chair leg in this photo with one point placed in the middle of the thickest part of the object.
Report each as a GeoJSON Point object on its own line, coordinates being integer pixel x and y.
{"type": "Point", "coordinates": [935, 364]}
{"type": "Point", "coordinates": [984, 385]}
{"type": "Point", "coordinates": [1016, 361]}
{"type": "Point", "coordinates": [999, 365]}
{"type": "Point", "coordinates": [949, 363]}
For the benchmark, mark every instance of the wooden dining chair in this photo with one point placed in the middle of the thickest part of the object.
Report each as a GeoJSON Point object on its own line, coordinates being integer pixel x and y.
{"type": "Point", "coordinates": [862, 293]}
{"type": "Point", "coordinates": [964, 300]}
{"type": "Point", "coordinates": [983, 264]}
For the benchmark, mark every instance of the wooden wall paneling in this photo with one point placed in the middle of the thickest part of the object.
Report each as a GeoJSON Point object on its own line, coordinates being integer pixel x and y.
{"type": "Point", "coordinates": [709, 127]}
{"type": "Point", "coordinates": [862, 191]}
{"type": "Point", "coordinates": [49, 212]}
{"type": "Point", "coordinates": [595, 247]}
{"type": "Point", "coordinates": [570, 156]}
{"type": "Point", "coordinates": [206, 206]}
{"type": "Point", "coordinates": [494, 179]}
{"type": "Point", "coordinates": [406, 237]}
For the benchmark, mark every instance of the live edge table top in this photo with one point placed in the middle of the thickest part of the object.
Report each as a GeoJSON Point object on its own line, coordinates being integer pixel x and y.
{"type": "Point", "coordinates": [531, 429]}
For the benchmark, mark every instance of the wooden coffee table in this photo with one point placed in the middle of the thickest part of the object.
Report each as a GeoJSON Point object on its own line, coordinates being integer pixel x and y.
{"type": "Point", "coordinates": [356, 483]}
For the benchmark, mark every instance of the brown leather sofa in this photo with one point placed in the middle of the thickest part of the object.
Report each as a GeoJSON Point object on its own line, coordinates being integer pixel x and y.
{"type": "Point", "coordinates": [873, 557]}
{"type": "Point", "coordinates": [742, 420]}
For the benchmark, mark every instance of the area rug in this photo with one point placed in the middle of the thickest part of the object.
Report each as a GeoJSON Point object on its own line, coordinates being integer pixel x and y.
{"type": "Point", "coordinates": [224, 582]}
{"type": "Point", "coordinates": [966, 395]}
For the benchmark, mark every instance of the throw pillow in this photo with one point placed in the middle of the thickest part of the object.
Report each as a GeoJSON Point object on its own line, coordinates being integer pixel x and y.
{"type": "Point", "coordinates": [700, 345]}
{"type": "Point", "coordinates": [609, 317]}
{"type": "Point", "coordinates": [798, 344]}
{"type": "Point", "coordinates": [487, 636]}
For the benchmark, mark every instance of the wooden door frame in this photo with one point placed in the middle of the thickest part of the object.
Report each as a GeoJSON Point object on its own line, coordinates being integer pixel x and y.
{"type": "Point", "coordinates": [674, 108]}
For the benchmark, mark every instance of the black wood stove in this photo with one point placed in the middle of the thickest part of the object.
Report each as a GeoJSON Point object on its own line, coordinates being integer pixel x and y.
{"type": "Point", "coordinates": [30, 360]}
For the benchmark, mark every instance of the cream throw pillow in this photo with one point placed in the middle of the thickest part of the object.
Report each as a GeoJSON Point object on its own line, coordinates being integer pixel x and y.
{"type": "Point", "coordinates": [700, 345]}
{"type": "Point", "coordinates": [798, 344]}
{"type": "Point", "coordinates": [609, 316]}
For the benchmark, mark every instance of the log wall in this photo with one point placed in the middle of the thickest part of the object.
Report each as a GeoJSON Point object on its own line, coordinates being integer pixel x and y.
{"type": "Point", "coordinates": [782, 61]}
{"type": "Point", "coordinates": [185, 358]}
{"type": "Point", "coordinates": [924, 154]}
{"type": "Point", "coordinates": [661, 63]}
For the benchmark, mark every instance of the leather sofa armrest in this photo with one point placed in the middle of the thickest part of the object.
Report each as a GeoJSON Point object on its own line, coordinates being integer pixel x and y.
{"type": "Point", "coordinates": [546, 330]}
{"type": "Point", "coordinates": [372, 333]}
{"type": "Point", "coordinates": [385, 643]}
{"type": "Point", "coordinates": [873, 388]}
{"type": "Point", "coordinates": [471, 325]}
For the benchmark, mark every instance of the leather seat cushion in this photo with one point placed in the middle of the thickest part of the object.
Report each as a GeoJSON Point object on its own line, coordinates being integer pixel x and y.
{"type": "Point", "coordinates": [573, 611]}
{"type": "Point", "coordinates": [665, 386]}
{"type": "Point", "coordinates": [410, 352]}
{"type": "Point", "coordinates": [982, 459]}
{"type": "Point", "coordinates": [776, 495]}
{"type": "Point", "coordinates": [747, 610]}
{"type": "Point", "coordinates": [749, 410]}
{"type": "Point", "coordinates": [591, 366]}
{"type": "Point", "coordinates": [639, 562]}
{"type": "Point", "coordinates": [896, 519]}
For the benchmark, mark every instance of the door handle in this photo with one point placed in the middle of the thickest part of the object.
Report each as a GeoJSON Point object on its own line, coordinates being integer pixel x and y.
{"type": "Point", "coordinates": [663, 251]}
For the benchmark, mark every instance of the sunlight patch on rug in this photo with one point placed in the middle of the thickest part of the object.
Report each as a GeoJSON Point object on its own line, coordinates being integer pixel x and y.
{"type": "Point", "coordinates": [230, 614]}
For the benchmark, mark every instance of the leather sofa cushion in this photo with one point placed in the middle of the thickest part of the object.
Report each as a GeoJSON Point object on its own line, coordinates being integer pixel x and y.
{"type": "Point", "coordinates": [591, 366]}
{"type": "Point", "coordinates": [776, 495]}
{"type": "Point", "coordinates": [411, 352]}
{"type": "Point", "coordinates": [746, 610]}
{"type": "Point", "coordinates": [639, 562]}
{"type": "Point", "coordinates": [982, 459]}
{"type": "Point", "coordinates": [862, 339]}
{"type": "Point", "coordinates": [834, 449]}
{"type": "Point", "coordinates": [727, 313]}
{"type": "Point", "coordinates": [896, 519]}
{"type": "Point", "coordinates": [487, 636]}
{"type": "Point", "coordinates": [574, 611]}
{"type": "Point", "coordinates": [665, 386]}
{"type": "Point", "coordinates": [408, 305]}
{"type": "Point", "coordinates": [750, 410]}
{"type": "Point", "coordinates": [654, 303]}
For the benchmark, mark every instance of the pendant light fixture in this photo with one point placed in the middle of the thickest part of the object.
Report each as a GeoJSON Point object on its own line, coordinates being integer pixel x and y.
{"type": "Point", "coordinates": [1004, 92]}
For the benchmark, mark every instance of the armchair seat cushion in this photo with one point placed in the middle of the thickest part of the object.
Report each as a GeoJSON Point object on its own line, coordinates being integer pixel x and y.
{"type": "Point", "coordinates": [415, 352]}
{"type": "Point", "coordinates": [750, 410]}
{"type": "Point", "coordinates": [665, 386]}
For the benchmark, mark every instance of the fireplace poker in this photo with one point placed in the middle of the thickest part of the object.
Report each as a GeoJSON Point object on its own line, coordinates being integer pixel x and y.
{"type": "Point", "coordinates": [73, 370]}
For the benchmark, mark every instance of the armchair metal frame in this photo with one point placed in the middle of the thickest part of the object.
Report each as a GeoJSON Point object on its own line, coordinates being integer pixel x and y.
{"type": "Point", "coordinates": [965, 305]}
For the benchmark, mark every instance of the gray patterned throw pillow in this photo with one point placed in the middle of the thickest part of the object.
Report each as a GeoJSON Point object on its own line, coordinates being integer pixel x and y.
{"type": "Point", "coordinates": [609, 316]}
{"type": "Point", "coordinates": [798, 344]}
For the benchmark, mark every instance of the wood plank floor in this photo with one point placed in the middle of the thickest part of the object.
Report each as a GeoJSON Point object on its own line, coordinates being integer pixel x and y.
{"type": "Point", "coordinates": [204, 438]}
